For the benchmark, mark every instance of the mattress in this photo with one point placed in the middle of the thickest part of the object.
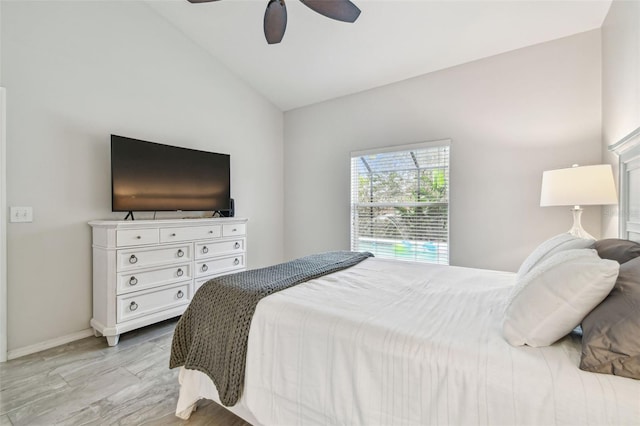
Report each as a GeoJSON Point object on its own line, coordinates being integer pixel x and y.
{"type": "Point", "coordinates": [400, 343]}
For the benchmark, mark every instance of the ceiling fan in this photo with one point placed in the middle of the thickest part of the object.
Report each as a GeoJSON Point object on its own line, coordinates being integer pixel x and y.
{"type": "Point", "coordinates": [275, 17]}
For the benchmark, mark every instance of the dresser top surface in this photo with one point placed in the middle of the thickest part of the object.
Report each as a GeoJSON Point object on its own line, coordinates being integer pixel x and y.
{"type": "Point", "coordinates": [155, 223]}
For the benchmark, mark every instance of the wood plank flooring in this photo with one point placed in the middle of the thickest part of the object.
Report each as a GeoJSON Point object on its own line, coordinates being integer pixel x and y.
{"type": "Point", "coordinates": [88, 382]}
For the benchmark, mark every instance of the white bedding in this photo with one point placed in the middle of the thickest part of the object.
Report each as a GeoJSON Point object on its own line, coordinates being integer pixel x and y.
{"type": "Point", "coordinates": [397, 343]}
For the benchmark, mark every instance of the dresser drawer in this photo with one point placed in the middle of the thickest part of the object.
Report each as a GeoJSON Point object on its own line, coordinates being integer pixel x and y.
{"type": "Point", "coordinates": [219, 265]}
{"type": "Point", "coordinates": [136, 237]}
{"type": "Point", "coordinates": [139, 280]}
{"type": "Point", "coordinates": [199, 282]}
{"type": "Point", "coordinates": [138, 304]}
{"type": "Point", "coordinates": [216, 248]}
{"type": "Point", "coordinates": [169, 235]}
{"type": "Point", "coordinates": [142, 258]}
{"type": "Point", "coordinates": [233, 229]}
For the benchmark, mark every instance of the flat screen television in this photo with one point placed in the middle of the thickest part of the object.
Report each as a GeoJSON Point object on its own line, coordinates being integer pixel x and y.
{"type": "Point", "coordinates": [148, 176]}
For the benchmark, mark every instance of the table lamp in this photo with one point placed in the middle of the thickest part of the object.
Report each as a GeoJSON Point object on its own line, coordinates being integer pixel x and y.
{"type": "Point", "coordinates": [576, 186]}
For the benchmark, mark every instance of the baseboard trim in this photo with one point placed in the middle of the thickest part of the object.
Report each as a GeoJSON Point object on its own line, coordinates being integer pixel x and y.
{"type": "Point", "coordinates": [48, 344]}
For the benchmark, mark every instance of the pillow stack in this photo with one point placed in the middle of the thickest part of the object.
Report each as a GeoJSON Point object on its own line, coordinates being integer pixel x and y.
{"type": "Point", "coordinates": [563, 283]}
{"type": "Point", "coordinates": [556, 287]}
{"type": "Point", "coordinates": [611, 332]}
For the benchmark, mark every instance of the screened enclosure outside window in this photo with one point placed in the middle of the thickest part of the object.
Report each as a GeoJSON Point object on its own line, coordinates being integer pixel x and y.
{"type": "Point", "coordinates": [400, 202]}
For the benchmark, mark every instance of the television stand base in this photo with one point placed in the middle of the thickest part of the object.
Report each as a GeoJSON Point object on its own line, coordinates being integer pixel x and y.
{"type": "Point", "coordinates": [129, 214]}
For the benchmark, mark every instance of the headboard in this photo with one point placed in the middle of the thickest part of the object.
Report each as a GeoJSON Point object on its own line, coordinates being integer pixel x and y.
{"type": "Point", "coordinates": [628, 151]}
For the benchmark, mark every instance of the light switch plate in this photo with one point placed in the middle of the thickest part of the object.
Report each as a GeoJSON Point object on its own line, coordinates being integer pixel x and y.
{"type": "Point", "coordinates": [21, 214]}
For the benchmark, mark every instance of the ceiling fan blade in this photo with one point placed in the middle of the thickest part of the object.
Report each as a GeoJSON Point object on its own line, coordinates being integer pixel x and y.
{"type": "Point", "coordinates": [200, 1]}
{"type": "Point", "coordinates": [340, 10]}
{"type": "Point", "coordinates": [275, 21]}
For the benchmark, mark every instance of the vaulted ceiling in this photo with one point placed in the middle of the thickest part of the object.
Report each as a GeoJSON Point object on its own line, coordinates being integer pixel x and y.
{"type": "Point", "coordinates": [392, 40]}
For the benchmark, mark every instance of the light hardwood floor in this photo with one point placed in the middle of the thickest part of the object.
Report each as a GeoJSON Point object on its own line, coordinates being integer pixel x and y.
{"type": "Point", "coordinates": [88, 382]}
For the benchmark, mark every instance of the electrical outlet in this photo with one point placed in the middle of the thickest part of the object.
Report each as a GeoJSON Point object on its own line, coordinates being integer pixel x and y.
{"type": "Point", "coordinates": [21, 214]}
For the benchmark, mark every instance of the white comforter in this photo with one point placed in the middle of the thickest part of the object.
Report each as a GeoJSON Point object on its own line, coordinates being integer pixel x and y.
{"type": "Point", "coordinates": [393, 343]}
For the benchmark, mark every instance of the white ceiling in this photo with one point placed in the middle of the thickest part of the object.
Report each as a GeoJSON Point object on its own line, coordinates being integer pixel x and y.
{"type": "Point", "coordinates": [392, 40]}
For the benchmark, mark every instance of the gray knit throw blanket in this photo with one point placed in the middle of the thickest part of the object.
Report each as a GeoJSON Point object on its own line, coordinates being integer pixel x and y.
{"type": "Point", "coordinates": [213, 333]}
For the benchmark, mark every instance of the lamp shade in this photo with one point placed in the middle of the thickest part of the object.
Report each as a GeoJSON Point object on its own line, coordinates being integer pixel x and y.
{"type": "Point", "coordinates": [574, 186]}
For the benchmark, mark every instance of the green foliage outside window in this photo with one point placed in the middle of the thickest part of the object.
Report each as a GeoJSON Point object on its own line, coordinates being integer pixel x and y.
{"type": "Point", "coordinates": [405, 220]}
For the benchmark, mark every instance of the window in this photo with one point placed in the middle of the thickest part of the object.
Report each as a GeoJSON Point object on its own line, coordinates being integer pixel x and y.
{"type": "Point", "coordinates": [400, 202]}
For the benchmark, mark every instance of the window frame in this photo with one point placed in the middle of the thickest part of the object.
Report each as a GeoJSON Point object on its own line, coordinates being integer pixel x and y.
{"type": "Point", "coordinates": [403, 148]}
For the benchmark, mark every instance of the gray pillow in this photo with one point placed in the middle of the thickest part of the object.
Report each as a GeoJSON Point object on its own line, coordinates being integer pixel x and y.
{"type": "Point", "coordinates": [619, 250]}
{"type": "Point", "coordinates": [611, 332]}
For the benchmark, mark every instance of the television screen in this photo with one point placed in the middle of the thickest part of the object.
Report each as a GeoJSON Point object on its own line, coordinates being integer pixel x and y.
{"type": "Point", "coordinates": [147, 176]}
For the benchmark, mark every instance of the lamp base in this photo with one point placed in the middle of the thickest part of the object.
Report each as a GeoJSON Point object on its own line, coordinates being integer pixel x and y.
{"type": "Point", "coordinates": [577, 230]}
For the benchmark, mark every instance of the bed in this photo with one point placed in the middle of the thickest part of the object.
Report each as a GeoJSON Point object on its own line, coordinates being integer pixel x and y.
{"type": "Point", "coordinates": [386, 342]}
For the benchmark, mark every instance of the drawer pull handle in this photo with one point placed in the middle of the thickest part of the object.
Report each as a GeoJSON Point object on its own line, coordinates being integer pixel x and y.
{"type": "Point", "coordinates": [236, 245]}
{"type": "Point", "coordinates": [204, 267]}
{"type": "Point", "coordinates": [133, 259]}
{"type": "Point", "coordinates": [138, 237]}
{"type": "Point", "coordinates": [211, 232]}
{"type": "Point", "coordinates": [180, 253]}
{"type": "Point", "coordinates": [234, 230]}
{"type": "Point", "coordinates": [180, 294]}
{"type": "Point", "coordinates": [133, 281]}
{"type": "Point", "coordinates": [172, 235]}
{"type": "Point", "coordinates": [133, 306]}
{"type": "Point", "coordinates": [236, 261]}
{"type": "Point", "coordinates": [179, 272]}
{"type": "Point", "coordinates": [205, 249]}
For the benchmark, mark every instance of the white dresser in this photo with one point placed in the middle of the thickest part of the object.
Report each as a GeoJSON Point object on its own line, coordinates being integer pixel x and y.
{"type": "Point", "coordinates": [146, 271]}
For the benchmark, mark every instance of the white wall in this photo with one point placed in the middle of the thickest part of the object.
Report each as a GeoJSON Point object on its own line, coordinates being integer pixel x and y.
{"type": "Point", "coordinates": [75, 72]}
{"type": "Point", "coordinates": [3, 217]}
{"type": "Point", "coordinates": [510, 117]}
{"type": "Point", "coordinates": [620, 86]}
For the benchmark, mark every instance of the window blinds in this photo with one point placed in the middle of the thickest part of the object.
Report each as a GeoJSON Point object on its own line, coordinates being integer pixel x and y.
{"type": "Point", "coordinates": [400, 203]}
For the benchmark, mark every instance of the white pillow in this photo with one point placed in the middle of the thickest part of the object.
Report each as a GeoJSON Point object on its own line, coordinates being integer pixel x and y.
{"type": "Point", "coordinates": [554, 297]}
{"type": "Point", "coordinates": [550, 247]}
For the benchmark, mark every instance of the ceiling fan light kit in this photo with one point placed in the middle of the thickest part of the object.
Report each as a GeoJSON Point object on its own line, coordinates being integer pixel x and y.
{"type": "Point", "coordinates": [275, 16]}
